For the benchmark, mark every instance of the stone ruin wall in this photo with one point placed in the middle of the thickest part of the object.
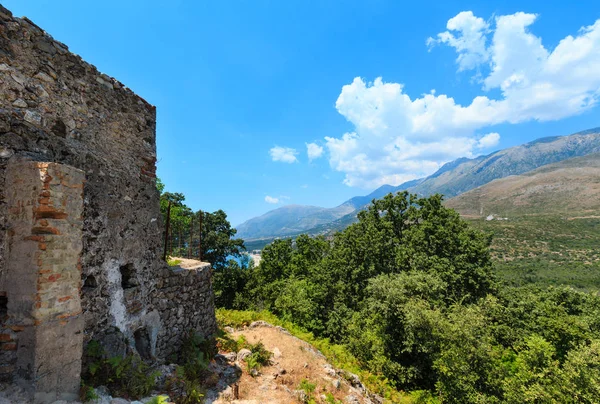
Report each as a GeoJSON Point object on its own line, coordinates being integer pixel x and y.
{"type": "Point", "coordinates": [186, 299]}
{"type": "Point", "coordinates": [54, 107]}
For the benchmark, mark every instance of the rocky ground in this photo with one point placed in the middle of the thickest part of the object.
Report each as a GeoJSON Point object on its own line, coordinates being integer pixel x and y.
{"type": "Point", "coordinates": [295, 369]}
{"type": "Point", "coordinates": [297, 373]}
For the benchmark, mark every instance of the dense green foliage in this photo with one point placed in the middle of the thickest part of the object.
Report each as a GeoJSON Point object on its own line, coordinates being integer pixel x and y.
{"type": "Point", "coordinates": [410, 291]}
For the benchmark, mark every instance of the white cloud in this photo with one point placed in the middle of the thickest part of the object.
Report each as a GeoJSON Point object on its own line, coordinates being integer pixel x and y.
{"type": "Point", "coordinates": [283, 154]}
{"type": "Point", "coordinates": [398, 138]}
{"type": "Point", "coordinates": [314, 151]}
{"type": "Point", "coordinates": [470, 44]}
{"type": "Point", "coordinates": [276, 199]}
{"type": "Point", "coordinates": [489, 140]}
{"type": "Point", "coordinates": [271, 199]}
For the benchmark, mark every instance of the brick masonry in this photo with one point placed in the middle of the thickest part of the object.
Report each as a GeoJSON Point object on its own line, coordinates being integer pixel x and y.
{"type": "Point", "coordinates": [42, 283]}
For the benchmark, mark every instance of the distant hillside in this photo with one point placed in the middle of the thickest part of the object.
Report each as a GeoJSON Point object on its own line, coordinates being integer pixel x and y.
{"type": "Point", "coordinates": [290, 219]}
{"type": "Point", "coordinates": [360, 201]}
{"type": "Point", "coordinates": [452, 179]}
{"type": "Point", "coordinates": [568, 186]}
{"type": "Point", "coordinates": [296, 219]}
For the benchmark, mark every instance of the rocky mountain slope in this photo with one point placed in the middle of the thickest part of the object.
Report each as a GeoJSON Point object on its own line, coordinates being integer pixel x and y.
{"type": "Point", "coordinates": [465, 174]}
{"type": "Point", "coordinates": [571, 185]}
{"type": "Point", "coordinates": [290, 219]}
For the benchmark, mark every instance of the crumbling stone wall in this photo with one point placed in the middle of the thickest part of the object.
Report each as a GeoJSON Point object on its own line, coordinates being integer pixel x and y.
{"type": "Point", "coordinates": [57, 108]}
{"type": "Point", "coordinates": [54, 107]}
{"type": "Point", "coordinates": [185, 298]}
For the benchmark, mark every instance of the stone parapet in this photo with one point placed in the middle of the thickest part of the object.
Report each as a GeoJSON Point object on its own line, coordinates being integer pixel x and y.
{"type": "Point", "coordinates": [185, 301]}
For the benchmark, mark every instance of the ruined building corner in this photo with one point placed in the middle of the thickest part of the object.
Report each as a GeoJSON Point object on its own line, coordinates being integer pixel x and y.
{"type": "Point", "coordinates": [80, 226]}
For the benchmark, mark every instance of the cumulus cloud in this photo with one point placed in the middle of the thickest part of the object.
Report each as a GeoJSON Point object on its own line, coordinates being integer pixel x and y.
{"type": "Point", "coordinates": [271, 199]}
{"type": "Point", "coordinates": [467, 34]}
{"type": "Point", "coordinates": [314, 151]}
{"type": "Point", "coordinates": [489, 140]}
{"type": "Point", "coordinates": [398, 138]}
{"type": "Point", "coordinates": [283, 154]}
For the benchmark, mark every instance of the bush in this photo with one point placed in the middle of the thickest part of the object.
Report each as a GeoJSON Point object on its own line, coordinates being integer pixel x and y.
{"type": "Point", "coordinates": [259, 357]}
{"type": "Point", "coordinates": [173, 262]}
{"type": "Point", "coordinates": [126, 376]}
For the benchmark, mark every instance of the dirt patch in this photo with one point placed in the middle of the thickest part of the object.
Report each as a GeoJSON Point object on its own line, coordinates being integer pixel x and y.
{"type": "Point", "coordinates": [186, 263]}
{"type": "Point", "coordinates": [297, 374]}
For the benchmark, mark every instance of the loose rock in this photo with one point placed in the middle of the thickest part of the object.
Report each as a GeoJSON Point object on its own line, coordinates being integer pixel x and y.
{"type": "Point", "coordinates": [243, 354]}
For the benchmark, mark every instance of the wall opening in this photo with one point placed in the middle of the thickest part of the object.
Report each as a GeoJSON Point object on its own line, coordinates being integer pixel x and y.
{"type": "Point", "coordinates": [142, 343]}
{"type": "Point", "coordinates": [90, 282]}
{"type": "Point", "coordinates": [3, 307]}
{"type": "Point", "coordinates": [128, 276]}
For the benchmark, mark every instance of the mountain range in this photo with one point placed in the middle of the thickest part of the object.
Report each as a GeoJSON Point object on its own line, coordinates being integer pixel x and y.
{"type": "Point", "coordinates": [536, 159]}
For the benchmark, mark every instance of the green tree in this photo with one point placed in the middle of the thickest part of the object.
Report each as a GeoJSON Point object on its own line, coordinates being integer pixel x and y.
{"type": "Point", "coordinates": [229, 283]}
{"type": "Point", "coordinates": [537, 374]}
{"type": "Point", "coordinates": [218, 242]}
{"type": "Point", "coordinates": [581, 374]}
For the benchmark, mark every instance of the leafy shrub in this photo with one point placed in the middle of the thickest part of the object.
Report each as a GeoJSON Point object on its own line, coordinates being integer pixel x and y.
{"type": "Point", "coordinates": [195, 355]}
{"type": "Point", "coordinates": [260, 356]}
{"type": "Point", "coordinates": [307, 386]}
{"type": "Point", "coordinates": [183, 389]}
{"type": "Point", "coordinates": [158, 400]}
{"type": "Point", "coordinates": [330, 399]}
{"type": "Point", "coordinates": [86, 393]}
{"type": "Point", "coordinates": [193, 360]}
{"type": "Point", "coordinates": [227, 344]}
{"type": "Point", "coordinates": [126, 376]}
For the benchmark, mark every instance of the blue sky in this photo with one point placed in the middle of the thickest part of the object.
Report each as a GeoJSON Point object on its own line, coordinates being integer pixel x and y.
{"type": "Point", "coordinates": [241, 87]}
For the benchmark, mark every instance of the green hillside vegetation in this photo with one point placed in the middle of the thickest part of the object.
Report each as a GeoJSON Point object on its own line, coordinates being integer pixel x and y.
{"type": "Point", "coordinates": [552, 229]}
{"type": "Point", "coordinates": [545, 250]}
{"type": "Point", "coordinates": [429, 306]}
{"type": "Point", "coordinates": [411, 291]}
